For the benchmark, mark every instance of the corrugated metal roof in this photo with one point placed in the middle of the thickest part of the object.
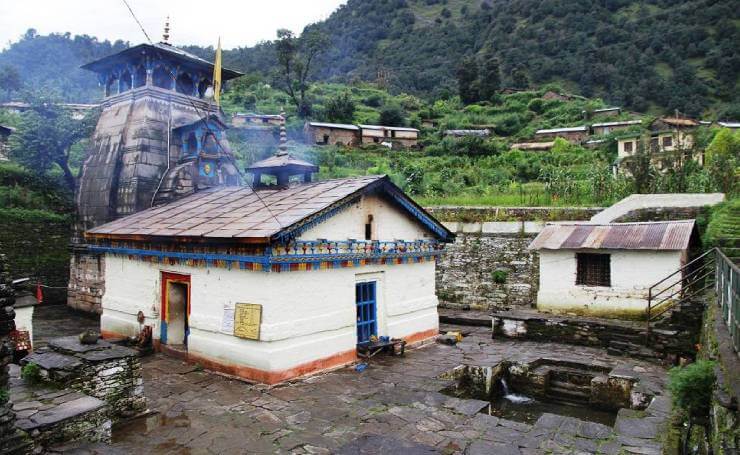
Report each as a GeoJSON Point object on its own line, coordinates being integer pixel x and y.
{"type": "Point", "coordinates": [617, 123]}
{"type": "Point", "coordinates": [341, 126]}
{"type": "Point", "coordinates": [563, 130]}
{"type": "Point", "coordinates": [657, 235]}
{"type": "Point", "coordinates": [729, 124]}
{"type": "Point", "coordinates": [390, 128]}
{"type": "Point", "coordinates": [242, 214]}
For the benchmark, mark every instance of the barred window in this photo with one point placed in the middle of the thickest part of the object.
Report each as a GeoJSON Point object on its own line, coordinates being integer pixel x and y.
{"type": "Point", "coordinates": [628, 147]}
{"type": "Point", "coordinates": [593, 269]}
{"type": "Point", "coordinates": [667, 141]}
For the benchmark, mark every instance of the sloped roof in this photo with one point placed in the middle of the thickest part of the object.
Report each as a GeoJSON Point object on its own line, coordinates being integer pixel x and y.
{"type": "Point", "coordinates": [186, 121]}
{"type": "Point", "coordinates": [389, 128]}
{"type": "Point", "coordinates": [285, 160]}
{"type": "Point", "coordinates": [658, 235]}
{"type": "Point", "coordinates": [562, 130]}
{"type": "Point", "coordinates": [341, 126]}
{"type": "Point", "coordinates": [673, 121]}
{"type": "Point", "coordinates": [729, 124]}
{"type": "Point", "coordinates": [240, 214]}
{"type": "Point", "coordinates": [617, 123]}
{"type": "Point", "coordinates": [172, 51]}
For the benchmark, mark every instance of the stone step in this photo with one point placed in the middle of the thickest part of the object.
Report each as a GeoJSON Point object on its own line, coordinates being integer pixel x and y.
{"type": "Point", "coordinates": [561, 385]}
{"type": "Point", "coordinates": [568, 394]}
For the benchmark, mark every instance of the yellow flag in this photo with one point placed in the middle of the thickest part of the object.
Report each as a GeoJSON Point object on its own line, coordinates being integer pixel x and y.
{"type": "Point", "coordinates": [217, 75]}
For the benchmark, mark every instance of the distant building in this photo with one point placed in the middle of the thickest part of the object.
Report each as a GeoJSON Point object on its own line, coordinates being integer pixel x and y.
{"type": "Point", "coordinates": [574, 135]}
{"type": "Point", "coordinates": [375, 134]}
{"type": "Point", "coordinates": [731, 125]}
{"type": "Point", "coordinates": [78, 110]}
{"type": "Point", "coordinates": [331, 133]}
{"type": "Point", "coordinates": [241, 120]}
{"type": "Point", "coordinates": [5, 132]}
{"type": "Point", "coordinates": [462, 133]}
{"type": "Point", "coordinates": [603, 112]}
{"type": "Point", "coordinates": [533, 146]}
{"type": "Point", "coordinates": [429, 123]}
{"type": "Point", "coordinates": [610, 127]}
{"type": "Point", "coordinates": [606, 269]}
{"type": "Point", "coordinates": [551, 95]}
{"type": "Point", "coordinates": [667, 136]}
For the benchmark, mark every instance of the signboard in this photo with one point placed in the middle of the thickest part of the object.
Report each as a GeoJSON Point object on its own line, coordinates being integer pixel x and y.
{"type": "Point", "coordinates": [247, 319]}
{"type": "Point", "coordinates": [227, 323]}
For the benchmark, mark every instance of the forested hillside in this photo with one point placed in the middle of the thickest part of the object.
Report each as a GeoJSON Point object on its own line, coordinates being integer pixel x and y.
{"type": "Point", "coordinates": [647, 55]}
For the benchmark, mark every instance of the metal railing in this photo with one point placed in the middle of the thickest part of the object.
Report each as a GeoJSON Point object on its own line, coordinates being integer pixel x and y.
{"type": "Point", "coordinates": [710, 269]}
{"type": "Point", "coordinates": [728, 295]}
{"type": "Point", "coordinates": [692, 279]}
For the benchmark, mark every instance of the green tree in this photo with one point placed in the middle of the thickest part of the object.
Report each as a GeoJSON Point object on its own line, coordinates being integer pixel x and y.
{"type": "Point", "coordinates": [295, 57]}
{"type": "Point", "coordinates": [10, 80]}
{"type": "Point", "coordinates": [519, 78]}
{"type": "Point", "coordinates": [467, 80]}
{"type": "Point", "coordinates": [340, 108]}
{"type": "Point", "coordinates": [490, 76]}
{"type": "Point", "coordinates": [723, 160]}
{"type": "Point", "coordinates": [46, 136]}
{"type": "Point", "coordinates": [392, 115]}
{"type": "Point", "coordinates": [641, 169]}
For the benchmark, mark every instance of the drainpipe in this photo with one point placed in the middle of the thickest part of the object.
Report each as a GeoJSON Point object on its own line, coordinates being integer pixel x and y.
{"type": "Point", "coordinates": [169, 132]}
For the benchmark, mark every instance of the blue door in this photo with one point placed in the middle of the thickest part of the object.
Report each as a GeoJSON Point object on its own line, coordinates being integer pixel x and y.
{"type": "Point", "coordinates": [365, 298]}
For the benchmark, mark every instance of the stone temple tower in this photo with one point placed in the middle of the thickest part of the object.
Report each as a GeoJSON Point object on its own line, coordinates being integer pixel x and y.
{"type": "Point", "coordinates": [159, 137]}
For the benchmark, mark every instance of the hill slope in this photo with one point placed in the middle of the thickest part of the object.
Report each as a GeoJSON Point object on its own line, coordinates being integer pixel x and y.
{"type": "Point", "coordinates": [647, 55]}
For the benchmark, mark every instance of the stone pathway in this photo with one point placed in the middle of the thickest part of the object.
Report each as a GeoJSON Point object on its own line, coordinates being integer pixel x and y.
{"type": "Point", "coordinates": [394, 406]}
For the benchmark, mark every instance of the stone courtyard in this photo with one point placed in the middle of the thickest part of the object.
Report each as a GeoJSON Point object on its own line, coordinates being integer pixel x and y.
{"type": "Point", "coordinates": [395, 405]}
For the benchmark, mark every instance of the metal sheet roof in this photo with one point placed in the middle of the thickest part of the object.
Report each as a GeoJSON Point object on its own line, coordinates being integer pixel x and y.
{"type": "Point", "coordinates": [242, 214]}
{"type": "Point", "coordinates": [658, 235]}
{"type": "Point", "coordinates": [342, 126]}
{"type": "Point", "coordinates": [617, 123]}
{"type": "Point", "coordinates": [389, 128]}
{"type": "Point", "coordinates": [563, 130]}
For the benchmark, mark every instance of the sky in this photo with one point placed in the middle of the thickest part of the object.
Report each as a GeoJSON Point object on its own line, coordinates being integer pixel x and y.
{"type": "Point", "coordinates": [238, 22]}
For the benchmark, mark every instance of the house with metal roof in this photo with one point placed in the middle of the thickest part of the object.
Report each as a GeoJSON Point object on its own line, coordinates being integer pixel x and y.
{"type": "Point", "coordinates": [573, 134]}
{"type": "Point", "coordinates": [321, 133]}
{"type": "Point", "coordinates": [606, 269]}
{"type": "Point", "coordinates": [376, 134]}
{"type": "Point", "coordinates": [279, 279]}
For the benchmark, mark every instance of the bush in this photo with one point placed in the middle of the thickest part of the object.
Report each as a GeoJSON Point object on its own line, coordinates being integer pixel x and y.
{"type": "Point", "coordinates": [536, 105]}
{"type": "Point", "coordinates": [31, 372]}
{"type": "Point", "coordinates": [691, 386]}
{"type": "Point", "coordinates": [392, 115]}
{"type": "Point", "coordinates": [499, 276]}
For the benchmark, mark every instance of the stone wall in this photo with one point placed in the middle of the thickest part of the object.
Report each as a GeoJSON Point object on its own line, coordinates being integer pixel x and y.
{"type": "Point", "coordinates": [36, 244]}
{"type": "Point", "coordinates": [12, 440]}
{"type": "Point", "coordinates": [488, 266]}
{"type": "Point", "coordinates": [86, 280]}
{"type": "Point", "coordinates": [103, 370]}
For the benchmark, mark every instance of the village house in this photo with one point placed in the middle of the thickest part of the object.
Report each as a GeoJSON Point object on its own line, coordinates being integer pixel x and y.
{"type": "Point", "coordinates": [429, 123]}
{"type": "Point", "coordinates": [248, 120]}
{"type": "Point", "coordinates": [5, 132]}
{"type": "Point", "coordinates": [375, 134]}
{"type": "Point", "coordinates": [606, 269]}
{"type": "Point", "coordinates": [603, 112]}
{"type": "Point", "coordinates": [464, 133]}
{"type": "Point", "coordinates": [667, 138]}
{"type": "Point", "coordinates": [331, 133]}
{"type": "Point", "coordinates": [574, 135]}
{"type": "Point", "coordinates": [610, 127]}
{"type": "Point", "coordinates": [77, 111]}
{"type": "Point", "coordinates": [731, 125]}
{"type": "Point", "coordinates": [533, 146]}
{"type": "Point", "coordinates": [275, 281]}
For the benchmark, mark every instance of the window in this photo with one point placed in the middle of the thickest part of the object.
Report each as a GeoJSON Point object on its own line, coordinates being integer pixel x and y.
{"type": "Point", "coordinates": [667, 141]}
{"type": "Point", "coordinates": [593, 269]}
{"type": "Point", "coordinates": [628, 147]}
{"type": "Point", "coordinates": [369, 228]}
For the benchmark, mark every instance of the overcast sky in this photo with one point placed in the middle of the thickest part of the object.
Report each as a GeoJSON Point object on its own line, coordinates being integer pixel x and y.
{"type": "Point", "coordinates": [238, 22]}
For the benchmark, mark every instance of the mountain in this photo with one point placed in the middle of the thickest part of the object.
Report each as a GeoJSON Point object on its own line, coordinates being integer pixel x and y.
{"type": "Point", "coordinates": [646, 55]}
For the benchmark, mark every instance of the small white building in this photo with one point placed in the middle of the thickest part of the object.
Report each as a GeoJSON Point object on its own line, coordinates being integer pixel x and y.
{"type": "Point", "coordinates": [276, 281]}
{"type": "Point", "coordinates": [606, 269]}
{"type": "Point", "coordinates": [376, 134]}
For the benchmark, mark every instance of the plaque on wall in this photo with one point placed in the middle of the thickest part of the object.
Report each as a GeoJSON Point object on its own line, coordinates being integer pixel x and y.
{"type": "Point", "coordinates": [247, 319]}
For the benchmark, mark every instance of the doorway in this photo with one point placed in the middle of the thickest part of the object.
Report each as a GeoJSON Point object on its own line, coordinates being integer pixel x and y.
{"type": "Point", "coordinates": [367, 311]}
{"type": "Point", "coordinates": [175, 309]}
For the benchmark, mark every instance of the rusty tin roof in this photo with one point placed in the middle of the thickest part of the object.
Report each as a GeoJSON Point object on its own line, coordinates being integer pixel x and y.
{"type": "Point", "coordinates": [240, 214]}
{"type": "Point", "coordinates": [657, 235]}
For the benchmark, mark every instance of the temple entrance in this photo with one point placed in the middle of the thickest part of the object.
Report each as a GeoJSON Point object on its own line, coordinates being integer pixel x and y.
{"type": "Point", "coordinates": [175, 309]}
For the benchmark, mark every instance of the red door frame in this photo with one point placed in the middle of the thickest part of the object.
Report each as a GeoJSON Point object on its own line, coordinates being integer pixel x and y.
{"type": "Point", "coordinates": [169, 277]}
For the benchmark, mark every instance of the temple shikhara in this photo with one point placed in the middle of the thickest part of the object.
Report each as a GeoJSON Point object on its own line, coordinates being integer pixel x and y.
{"type": "Point", "coordinates": [267, 276]}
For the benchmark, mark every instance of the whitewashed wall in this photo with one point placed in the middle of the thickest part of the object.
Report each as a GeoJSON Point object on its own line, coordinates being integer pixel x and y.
{"type": "Point", "coordinates": [305, 315]}
{"type": "Point", "coordinates": [389, 223]}
{"type": "Point", "coordinates": [632, 273]}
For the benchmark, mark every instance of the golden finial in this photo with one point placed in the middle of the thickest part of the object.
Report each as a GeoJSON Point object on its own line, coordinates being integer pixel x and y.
{"type": "Point", "coordinates": [166, 34]}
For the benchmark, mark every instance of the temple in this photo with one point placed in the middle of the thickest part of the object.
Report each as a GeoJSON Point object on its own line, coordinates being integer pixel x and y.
{"type": "Point", "coordinates": [159, 137]}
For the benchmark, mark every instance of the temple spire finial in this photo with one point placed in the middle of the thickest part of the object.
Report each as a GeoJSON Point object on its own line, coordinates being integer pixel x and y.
{"type": "Point", "coordinates": [283, 146]}
{"type": "Point", "coordinates": [166, 34]}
